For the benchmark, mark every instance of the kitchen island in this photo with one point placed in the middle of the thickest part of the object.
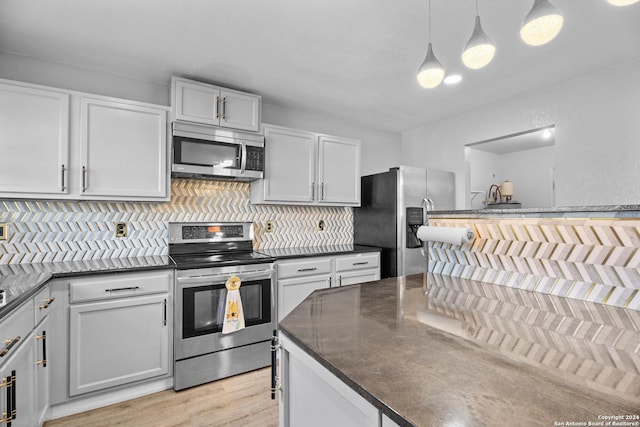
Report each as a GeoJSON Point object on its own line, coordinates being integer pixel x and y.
{"type": "Point", "coordinates": [431, 350]}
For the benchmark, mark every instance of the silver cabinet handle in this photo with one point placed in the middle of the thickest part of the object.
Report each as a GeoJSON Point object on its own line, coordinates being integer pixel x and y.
{"type": "Point", "coordinates": [300, 270]}
{"type": "Point", "coordinates": [224, 107]}
{"type": "Point", "coordinates": [84, 179]}
{"type": "Point", "coordinates": [62, 171]}
{"type": "Point", "coordinates": [322, 191]}
{"type": "Point", "coordinates": [164, 310]}
{"type": "Point", "coordinates": [313, 191]}
{"type": "Point", "coordinates": [129, 288]}
{"type": "Point", "coordinates": [217, 107]}
{"type": "Point", "coordinates": [361, 263]}
{"type": "Point", "coordinates": [339, 280]}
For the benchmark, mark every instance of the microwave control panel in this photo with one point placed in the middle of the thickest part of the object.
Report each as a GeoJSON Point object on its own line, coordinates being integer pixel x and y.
{"type": "Point", "coordinates": [255, 158]}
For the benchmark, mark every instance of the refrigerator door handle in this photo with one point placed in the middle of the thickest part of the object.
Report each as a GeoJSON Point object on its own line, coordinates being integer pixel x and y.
{"type": "Point", "coordinates": [427, 204]}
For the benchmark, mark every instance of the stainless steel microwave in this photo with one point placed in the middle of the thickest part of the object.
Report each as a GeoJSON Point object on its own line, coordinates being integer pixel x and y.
{"type": "Point", "coordinates": [203, 151]}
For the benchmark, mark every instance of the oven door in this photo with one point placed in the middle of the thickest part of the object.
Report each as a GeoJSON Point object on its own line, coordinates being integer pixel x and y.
{"type": "Point", "coordinates": [200, 306]}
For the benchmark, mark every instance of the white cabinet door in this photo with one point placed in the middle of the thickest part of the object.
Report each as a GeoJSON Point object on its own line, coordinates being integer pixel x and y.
{"type": "Point", "coordinates": [124, 150]}
{"type": "Point", "coordinates": [339, 171]}
{"type": "Point", "coordinates": [117, 342]}
{"type": "Point", "coordinates": [305, 168]}
{"type": "Point", "coordinates": [239, 110]}
{"type": "Point", "coordinates": [19, 369]}
{"type": "Point", "coordinates": [293, 291]}
{"type": "Point", "coordinates": [359, 276]}
{"type": "Point", "coordinates": [34, 141]}
{"type": "Point", "coordinates": [207, 104]}
{"type": "Point", "coordinates": [289, 165]}
{"type": "Point", "coordinates": [196, 102]}
{"type": "Point", "coordinates": [314, 397]}
{"type": "Point", "coordinates": [42, 372]}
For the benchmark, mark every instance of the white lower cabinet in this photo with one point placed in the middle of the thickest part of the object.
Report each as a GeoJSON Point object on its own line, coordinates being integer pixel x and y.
{"type": "Point", "coordinates": [293, 291]}
{"type": "Point", "coordinates": [24, 376]}
{"type": "Point", "coordinates": [17, 375]}
{"type": "Point", "coordinates": [112, 331]}
{"type": "Point", "coordinates": [117, 342]}
{"type": "Point", "coordinates": [299, 277]}
{"type": "Point", "coordinates": [312, 396]}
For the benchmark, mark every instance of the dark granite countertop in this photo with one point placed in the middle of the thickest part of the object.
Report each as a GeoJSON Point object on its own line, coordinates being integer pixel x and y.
{"type": "Point", "coordinates": [313, 251]}
{"type": "Point", "coordinates": [19, 282]}
{"type": "Point", "coordinates": [473, 354]}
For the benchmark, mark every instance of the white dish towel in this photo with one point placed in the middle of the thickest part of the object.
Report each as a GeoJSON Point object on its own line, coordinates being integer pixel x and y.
{"type": "Point", "coordinates": [233, 314]}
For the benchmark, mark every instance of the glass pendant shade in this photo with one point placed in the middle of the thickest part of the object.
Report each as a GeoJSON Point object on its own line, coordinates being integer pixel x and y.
{"type": "Point", "coordinates": [431, 72]}
{"type": "Point", "coordinates": [542, 24]}
{"type": "Point", "coordinates": [622, 2]}
{"type": "Point", "coordinates": [479, 50]}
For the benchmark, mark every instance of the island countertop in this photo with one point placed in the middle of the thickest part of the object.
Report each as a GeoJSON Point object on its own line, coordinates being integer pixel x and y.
{"type": "Point", "coordinates": [431, 350]}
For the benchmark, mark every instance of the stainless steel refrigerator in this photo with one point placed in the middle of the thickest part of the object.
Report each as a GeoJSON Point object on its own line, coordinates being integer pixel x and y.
{"type": "Point", "coordinates": [393, 207]}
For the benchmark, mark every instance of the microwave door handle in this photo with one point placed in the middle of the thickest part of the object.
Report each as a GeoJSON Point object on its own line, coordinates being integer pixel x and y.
{"type": "Point", "coordinates": [243, 156]}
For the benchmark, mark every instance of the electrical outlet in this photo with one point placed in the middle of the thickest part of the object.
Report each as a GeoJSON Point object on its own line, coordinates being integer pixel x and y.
{"type": "Point", "coordinates": [121, 229]}
{"type": "Point", "coordinates": [269, 226]}
{"type": "Point", "coordinates": [321, 225]}
{"type": "Point", "coordinates": [3, 231]}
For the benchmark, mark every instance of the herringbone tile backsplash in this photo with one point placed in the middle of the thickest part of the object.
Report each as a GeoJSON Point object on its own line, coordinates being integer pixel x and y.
{"type": "Point", "coordinates": [51, 231]}
{"type": "Point", "coordinates": [596, 260]}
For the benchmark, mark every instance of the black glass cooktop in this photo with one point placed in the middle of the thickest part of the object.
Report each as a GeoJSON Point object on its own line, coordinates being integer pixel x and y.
{"type": "Point", "coordinates": [206, 260]}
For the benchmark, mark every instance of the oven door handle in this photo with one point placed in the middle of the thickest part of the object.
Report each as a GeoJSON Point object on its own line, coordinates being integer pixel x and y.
{"type": "Point", "coordinates": [222, 278]}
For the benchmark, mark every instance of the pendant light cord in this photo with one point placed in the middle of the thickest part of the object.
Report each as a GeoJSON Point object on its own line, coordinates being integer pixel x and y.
{"type": "Point", "coordinates": [477, 14]}
{"type": "Point", "coordinates": [429, 21]}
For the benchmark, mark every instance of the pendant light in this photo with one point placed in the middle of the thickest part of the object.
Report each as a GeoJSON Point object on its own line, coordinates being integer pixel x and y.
{"type": "Point", "coordinates": [622, 2]}
{"type": "Point", "coordinates": [479, 50]}
{"type": "Point", "coordinates": [541, 24]}
{"type": "Point", "coordinates": [431, 72]}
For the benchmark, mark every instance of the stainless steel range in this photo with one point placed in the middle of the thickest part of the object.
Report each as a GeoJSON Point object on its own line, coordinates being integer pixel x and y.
{"type": "Point", "coordinates": [206, 256]}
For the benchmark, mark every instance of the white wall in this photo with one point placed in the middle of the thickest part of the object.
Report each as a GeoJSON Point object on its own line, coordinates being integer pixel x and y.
{"type": "Point", "coordinates": [531, 172]}
{"type": "Point", "coordinates": [597, 135]}
{"type": "Point", "coordinates": [380, 150]}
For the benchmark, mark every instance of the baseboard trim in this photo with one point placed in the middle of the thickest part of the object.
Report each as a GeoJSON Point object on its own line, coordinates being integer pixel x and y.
{"type": "Point", "coordinates": [107, 398]}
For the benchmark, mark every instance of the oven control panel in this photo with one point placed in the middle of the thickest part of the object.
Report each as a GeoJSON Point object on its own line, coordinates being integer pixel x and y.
{"type": "Point", "coordinates": [197, 232]}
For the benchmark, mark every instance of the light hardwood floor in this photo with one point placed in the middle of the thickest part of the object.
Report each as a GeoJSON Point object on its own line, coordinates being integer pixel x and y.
{"type": "Point", "coordinates": [243, 400]}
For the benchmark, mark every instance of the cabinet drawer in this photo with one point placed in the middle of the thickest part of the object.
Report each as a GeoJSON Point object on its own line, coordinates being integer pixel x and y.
{"type": "Point", "coordinates": [119, 285]}
{"type": "Point", "coordinates": [305, 267]}
{"type": "Point", "coordinates": [14, 330]}
{"type": "Point", "coordinates": [42, 304]}
{"type": "Point", "coordinates": [357, 262]}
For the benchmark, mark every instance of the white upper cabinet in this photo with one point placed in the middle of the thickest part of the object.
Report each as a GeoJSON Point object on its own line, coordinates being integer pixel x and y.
{"type": "Point", "coordinates": [70, 145]}
{"type": "Point", "coordinates": [34, 141]}
{"type": "Point", "coordinates": [339, 170]}
{"type": "Point", "coordinates": [306, 168]}
{"type": "Point", "coordinates": [123, 149]}
{"type": "Point", "coordinates": [203, 103]}
{"type": "Point", "coordinates": [290, 165]}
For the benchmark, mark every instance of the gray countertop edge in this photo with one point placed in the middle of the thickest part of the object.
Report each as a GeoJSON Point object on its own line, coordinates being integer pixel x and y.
{"type": "Point", "coordinates": [353, 385]}
{"type": "Point", "coordinates": [45, 278]}
{"type": "Point", "coordinates": [604, 211]}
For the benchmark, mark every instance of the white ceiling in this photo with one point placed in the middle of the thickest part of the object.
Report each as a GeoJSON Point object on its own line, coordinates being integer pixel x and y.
{"type": "Point", "coordinates": [352, 59]}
